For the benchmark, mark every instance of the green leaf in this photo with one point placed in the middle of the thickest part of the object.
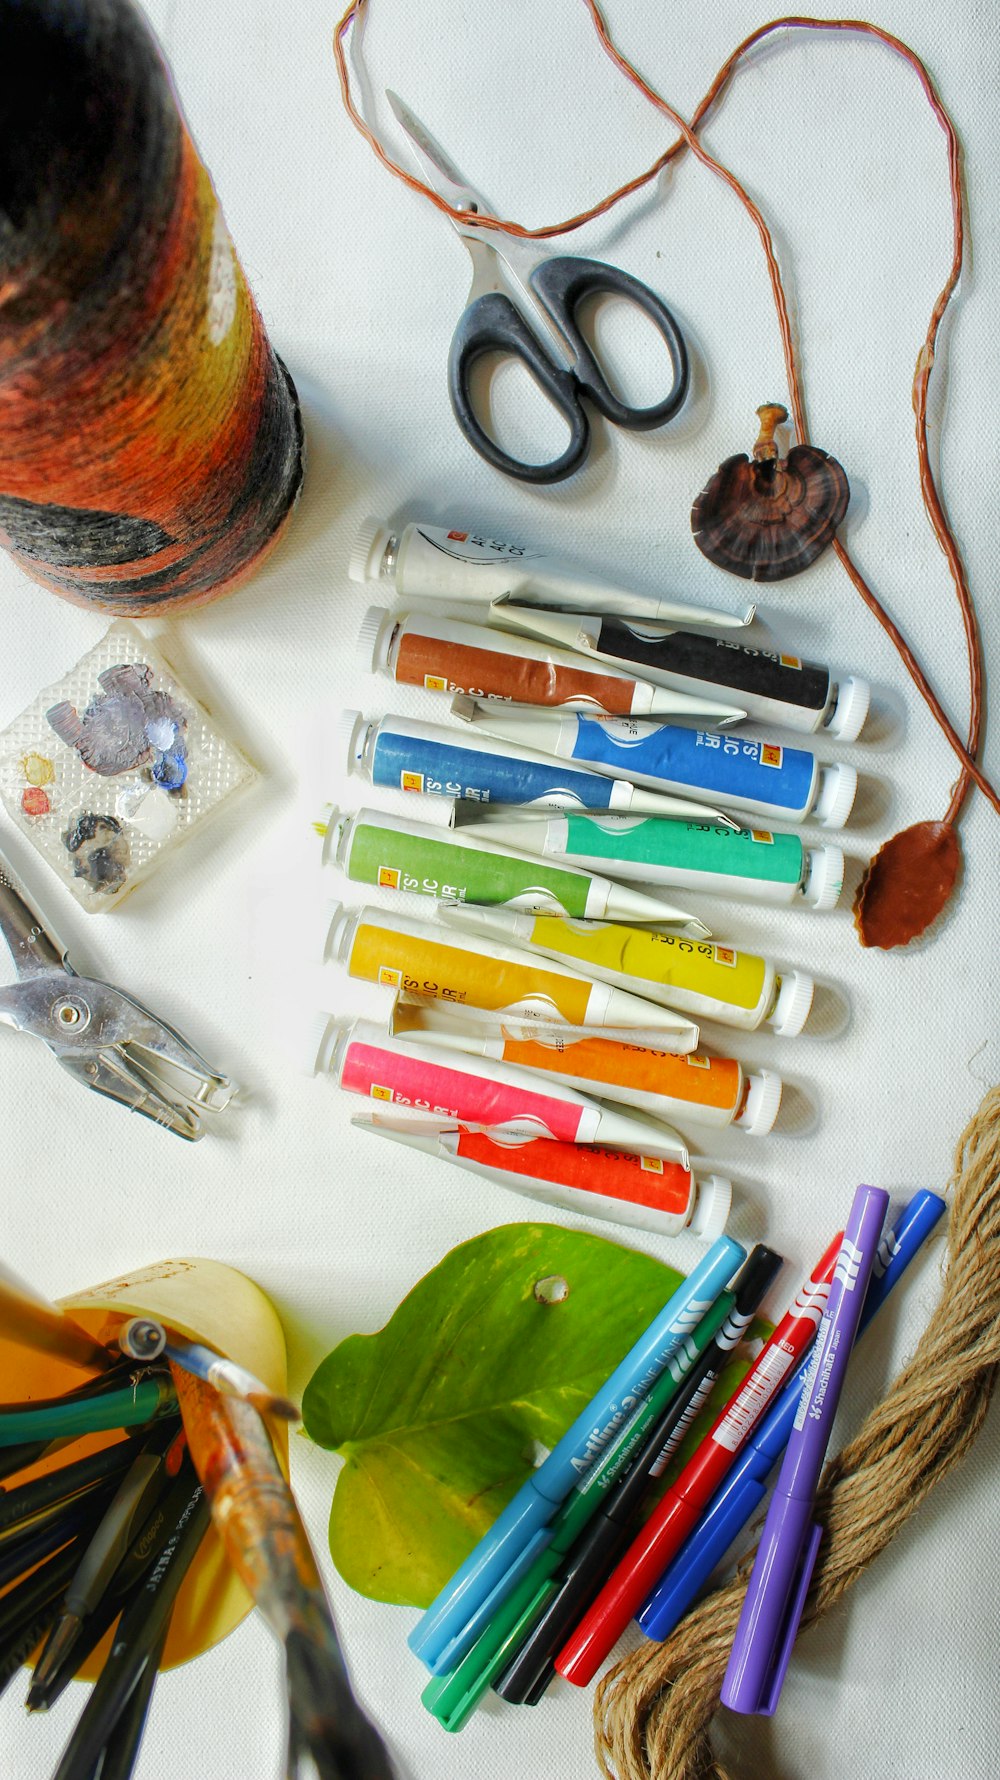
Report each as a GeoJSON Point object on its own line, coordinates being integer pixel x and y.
{"type": "Point", "coordinates": [438, 1414]}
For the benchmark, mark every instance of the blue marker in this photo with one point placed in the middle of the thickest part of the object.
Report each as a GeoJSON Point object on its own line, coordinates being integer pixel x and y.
{"type": "Point", "coordinates": [746, 1485]}
{"type": "Point", "coordinates": [451, 1624]}
{"type": "Point", "coordinates": [405, 755]}
{"type": "Point", "coordinates": [765, 778]}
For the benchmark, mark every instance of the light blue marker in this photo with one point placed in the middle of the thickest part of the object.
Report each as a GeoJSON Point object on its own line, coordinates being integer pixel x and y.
{"type": "Point", "coordinates": [766, 778]}
{"type": "Point", "coordinates": [405, 755]}
{"type": "Point", "coordinates": [746, 1485]}
{"type": "Point", "coordinates": [451, 1624]}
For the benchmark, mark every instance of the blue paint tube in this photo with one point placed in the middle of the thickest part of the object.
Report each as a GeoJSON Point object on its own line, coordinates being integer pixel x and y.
{"type": "Point", "coordinates": [404, 755]}
{"type": "Point", "coordinates": [766, 778]}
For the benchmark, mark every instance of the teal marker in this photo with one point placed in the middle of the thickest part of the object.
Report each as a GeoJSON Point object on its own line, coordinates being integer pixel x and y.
{"type": "Point", "coordinates": [754, 862]}
{"type": "Point", "coordinates": [453, 1698]}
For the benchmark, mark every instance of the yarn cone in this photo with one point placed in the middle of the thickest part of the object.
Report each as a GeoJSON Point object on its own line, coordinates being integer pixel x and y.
{"type": "Point", "coordinates": [152, 444]}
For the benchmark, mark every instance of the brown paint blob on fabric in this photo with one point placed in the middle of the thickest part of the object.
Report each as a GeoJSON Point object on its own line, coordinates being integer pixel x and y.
{"type": "Point", "coordinates": [907, 884]}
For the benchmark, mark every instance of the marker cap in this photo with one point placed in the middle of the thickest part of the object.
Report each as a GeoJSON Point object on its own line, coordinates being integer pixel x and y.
{"type": "Point", "coordinates": [838, 787]}
{"type": "Point", "coordinates": [374, 636]}
{"type": "Point", "coordinates": [368, 549]}
{"type": "Point", "coordinates": [847, 719]}
{"type": "Point", "coordinates": [824, 877]}
{"type": "Point", "coordinates": [763, 1101]}
{"type": "Point", "coordinates": [712, 1206]}
{"type": "Point", "coordinates": [772, 1607]}
{"type": "Point", "coordinates": [791, 1009]}
{"type": "Point", "coordinates": [352, 731]}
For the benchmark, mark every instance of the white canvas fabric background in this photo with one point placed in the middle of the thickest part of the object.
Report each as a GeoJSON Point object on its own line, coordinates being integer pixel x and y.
{"type": "Point", "coordinates": [360, 284]}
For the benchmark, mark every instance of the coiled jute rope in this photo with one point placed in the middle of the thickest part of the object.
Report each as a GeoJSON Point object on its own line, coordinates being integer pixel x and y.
{"type": "Point", "coordinates": [653, 1712]}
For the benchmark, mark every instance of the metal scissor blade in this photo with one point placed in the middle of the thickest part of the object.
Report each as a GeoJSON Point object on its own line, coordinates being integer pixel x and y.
{"type": "Point", "coordinates": [486, 248]}
{"type": "Point", "coordinates": [433, 164]}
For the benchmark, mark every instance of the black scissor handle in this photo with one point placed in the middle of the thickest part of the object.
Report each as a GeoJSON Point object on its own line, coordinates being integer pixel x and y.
{"type": "Point", "coordinates": [563, 284]}
{"type": "Point", "coordinates": [492, 324]}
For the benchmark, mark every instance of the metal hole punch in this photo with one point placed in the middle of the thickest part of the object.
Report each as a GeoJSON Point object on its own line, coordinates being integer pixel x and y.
{"type": "Point", "coordinates": [105, 1038]}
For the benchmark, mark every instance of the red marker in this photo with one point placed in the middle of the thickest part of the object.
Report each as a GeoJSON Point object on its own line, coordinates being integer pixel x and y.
{"type": "Point", "coordinates": [679, 1511]}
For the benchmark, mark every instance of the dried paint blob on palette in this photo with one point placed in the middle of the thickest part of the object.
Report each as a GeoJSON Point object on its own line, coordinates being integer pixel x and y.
{"type": "Point", "coordinates": [113, 766]}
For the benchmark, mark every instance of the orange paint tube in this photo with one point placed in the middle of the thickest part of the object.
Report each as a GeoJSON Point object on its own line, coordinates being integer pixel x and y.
{"type": "Point", "coordinates": [711, 1090]}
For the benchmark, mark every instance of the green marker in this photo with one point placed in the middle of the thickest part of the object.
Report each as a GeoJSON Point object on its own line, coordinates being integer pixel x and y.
{"type": "Point", "coordinates": [397, 854]}
{"type": "Point", "coordinates": [696, 855]}
{"type": "Point", "coordinates": [453, 1698]}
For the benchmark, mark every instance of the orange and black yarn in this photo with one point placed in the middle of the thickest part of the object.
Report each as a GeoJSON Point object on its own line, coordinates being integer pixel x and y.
{"type": "Point", "coordinates": [150, 439]}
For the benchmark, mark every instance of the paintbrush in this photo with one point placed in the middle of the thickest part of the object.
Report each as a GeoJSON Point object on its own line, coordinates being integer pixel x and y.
{"type": "Point", "coordinates": [259, 1525]}
{"type": "Point", "coordinates": [144, 1339]}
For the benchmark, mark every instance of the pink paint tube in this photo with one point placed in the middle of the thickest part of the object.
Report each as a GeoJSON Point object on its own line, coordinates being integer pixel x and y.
{"type": "Point", "coordinates": [405, 1074]}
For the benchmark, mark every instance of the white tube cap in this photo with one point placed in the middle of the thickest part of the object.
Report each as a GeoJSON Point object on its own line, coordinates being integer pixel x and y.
{"type": "Point", "coordinates": [838, 787]}
{"type": "Point", "coordinates": [712, 1206]}
{"type": "Point", "coordinates": [791, 1010]}
{"type": "Point", "coordinates": [351, 731]}
{"type": "Point", "coordinates": [371, 649]}
{"type": "Point", "coordinates": [333, 922]}
{"type": "Point", "coordinates": [368, 549]}
{"type": "Point", "coordinates": [327, 825]}
{"type": "Point", "coordinates": [824, 877]}
{"type": "Point", "coordinates": [317, 1041]}
{"type": "Point", "coordinates": [847, 719]}
{"type": "Point", "coordinates": [763, 1101]}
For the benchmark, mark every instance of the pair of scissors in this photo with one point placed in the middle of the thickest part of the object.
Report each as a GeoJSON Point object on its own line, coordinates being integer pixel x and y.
{"type": "Point", "coordinates": [102, 1036]}
{"type": "Point", "coordinates": [539, 327]}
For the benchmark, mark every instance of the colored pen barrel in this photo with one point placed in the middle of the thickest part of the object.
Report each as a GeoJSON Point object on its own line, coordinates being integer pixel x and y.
{"type": "Point", "coordinates": [403, 754]}
{"type": "Point", "coordinates": [461, 563]}
{"type": "Point", "coordinates": [531, 1670]}
{"type": "Point", "coordinates": [750, 862]}
{"type": "Point", "coordinates": [710, 1090]}
{"type": "Point", "coordinates": [680, 1509]}
{"type": "Point", "coordinates": [618, 1186]}
{"type": "Point", "coordinates": [507, 1550]}
{"type": "Point", "coordinates": [772, 688]}
{"type": "Point", "coordinates": [397, 854]}
{"type": "Point", "coordinates": [139, 1629]}
{"type": "Point", "coordinates": [786, 1555]}
{"type": "Point", "coordinates": [403, 1073]}
{"type": "Point", "coordinates": [707, 981]}
{"type": "Point", "coordinates": [766, 778]}
{"type": "Point", "coordinates": [507, 1627]}
{"type": "Point", "coordinates": [145, 1480]}
{"type": "Point", "coordinates": [746, 1485]}
{"type": "Point", "coordinates": [447, 655]}
{"type": "Point", "coordinates": [423, 962]}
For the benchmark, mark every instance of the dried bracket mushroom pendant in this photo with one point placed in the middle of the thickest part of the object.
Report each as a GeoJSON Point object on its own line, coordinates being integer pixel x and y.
{"type": "Point", "coordinates": [767, 517]}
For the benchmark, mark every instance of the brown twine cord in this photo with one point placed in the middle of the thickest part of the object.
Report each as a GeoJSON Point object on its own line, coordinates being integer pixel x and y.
{"type": "Point", "coordinates": [653, 1711]}
{"type": "Point", "coordinates": [355, 15]}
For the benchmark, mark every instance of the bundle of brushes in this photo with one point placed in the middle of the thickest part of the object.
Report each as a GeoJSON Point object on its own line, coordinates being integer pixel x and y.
{"type": "Point", "coordinates": [104, 1539]}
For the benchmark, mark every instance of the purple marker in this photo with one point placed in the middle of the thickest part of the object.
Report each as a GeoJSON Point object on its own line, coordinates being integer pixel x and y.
{"type": "Point", "coordinates": [786, 1555]}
